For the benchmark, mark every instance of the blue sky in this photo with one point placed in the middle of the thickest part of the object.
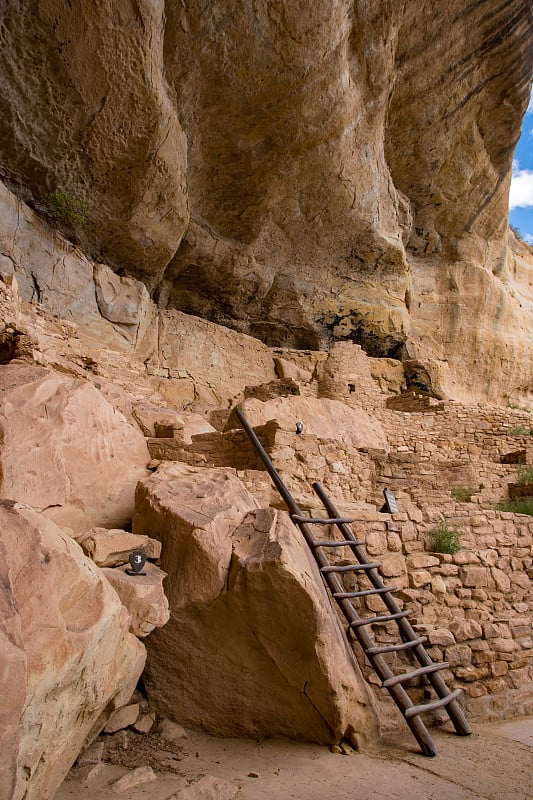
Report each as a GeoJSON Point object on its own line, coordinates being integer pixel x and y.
{"type": "Point", "coordinates": [521, 195]}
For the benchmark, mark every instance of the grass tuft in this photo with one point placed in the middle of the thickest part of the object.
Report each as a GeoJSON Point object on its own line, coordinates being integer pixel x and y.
{"type": "Point", "coordinates": [67, 207]}
{"type": "Point", "coordinates": [521, 430]}
{"type": "Point", "coordinates": [461, 493]}
{"type": "Point", "coordinates": [443, 539]}
{"type": "Point", "coordinates": [524, 474]}
{"type": "Point", "coordinates": [517, 506]}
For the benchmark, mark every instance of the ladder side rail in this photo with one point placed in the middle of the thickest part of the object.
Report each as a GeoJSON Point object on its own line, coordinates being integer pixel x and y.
{"type": "Point", "coordinates": [271, 469]}
{"type": "Point", "coordinates": [454, 710]}
{"type": "Point", "coordinates": [380, 666]}
{"type": "Point", "coordinates": [384, 672]}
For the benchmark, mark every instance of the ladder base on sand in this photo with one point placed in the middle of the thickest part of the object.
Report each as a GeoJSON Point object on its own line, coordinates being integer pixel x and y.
{"type": "Point", "coordinates": [361, 627]}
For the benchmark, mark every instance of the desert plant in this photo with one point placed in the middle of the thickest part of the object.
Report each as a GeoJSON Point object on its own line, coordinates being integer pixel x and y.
{"type": "Point", "coordinates": [524, 474]}
{"type": "Point", "coordinates": [443, 539]}
{"type": "Point", "coordinates": [517, 506]}
{"type": "Point", "coordinates": [66, 206]}
{"type": "Point", "coordinates": [521, 430]}
{"type": "Point", "coordinates": [461, 493]}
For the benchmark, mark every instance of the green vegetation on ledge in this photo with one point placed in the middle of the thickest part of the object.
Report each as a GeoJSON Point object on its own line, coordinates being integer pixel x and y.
{"type": "Point", "coordinates": [461, 493]}
{"type": "Point", "coordinates": [443, 539]}
{"type": "Point", "coordinates": [67, 207]}
{"type": "Point", "coordinates": [517, 506]}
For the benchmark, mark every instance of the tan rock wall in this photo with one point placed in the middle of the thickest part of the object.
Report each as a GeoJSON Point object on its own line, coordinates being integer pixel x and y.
{"type": "Point", "coordinates": [303, 174]}
{"type": "Point", "coordinates": [65, 450]}
{"type": "Point", "coordinates": [199, 362]}
{"type": "Point", "coordinates": [66, 659]}
{"type": "Point", "coordinates": [87, 114]}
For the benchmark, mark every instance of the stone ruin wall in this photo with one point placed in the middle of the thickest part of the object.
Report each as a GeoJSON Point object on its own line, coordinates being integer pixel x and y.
{"type": "Point", "coordinates": [475, 607]}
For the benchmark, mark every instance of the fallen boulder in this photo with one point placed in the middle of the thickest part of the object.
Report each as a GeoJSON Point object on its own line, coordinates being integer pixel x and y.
{"type": "Point", "coordinates": [66, 451]}
{"type": "Point", "coordinates": [67, 659]}
{"type": "Point", "coordinates": [321, 417]}
{"type": "Point", "coordinates": [253, 647]}
{"type": "Point", "coordinates": [142, 595]}
{"type": "Point", "coordinates": [111, 547]}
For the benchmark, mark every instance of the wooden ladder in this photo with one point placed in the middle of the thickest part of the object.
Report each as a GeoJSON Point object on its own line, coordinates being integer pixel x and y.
{"type": "Point", "coordinates": [361, 626]}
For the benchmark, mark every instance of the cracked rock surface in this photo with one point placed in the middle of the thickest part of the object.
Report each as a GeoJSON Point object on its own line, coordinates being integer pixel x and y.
{"type": "Point", "coordinates": [241, 585]}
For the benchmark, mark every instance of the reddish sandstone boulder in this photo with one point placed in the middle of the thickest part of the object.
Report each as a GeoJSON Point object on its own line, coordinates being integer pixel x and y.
{"type": "Point", "coordinates": [253, 647]}
{"type": "Point", "coordinates": [66, 451]}
{"type": "Point", "coordinates": [66, 656]}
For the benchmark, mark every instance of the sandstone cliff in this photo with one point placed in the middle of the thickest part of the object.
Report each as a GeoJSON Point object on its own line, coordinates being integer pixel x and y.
{"type": "Point", "coordinates": [301, 172]}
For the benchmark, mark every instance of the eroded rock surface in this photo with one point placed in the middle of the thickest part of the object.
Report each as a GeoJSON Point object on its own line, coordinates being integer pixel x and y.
{"type": "Point", "coordinates": [142, 595]}
{"type": "Point", "coordinates": [320, 417]}
{"type": "Point", "coordinates": [303, 174]}
{"type": "Point", "coordinates": [66, 655]}
{"type": "Point", "coordinates": [66, 451]}
{"type": "Point", "coordinates": [242, 585]}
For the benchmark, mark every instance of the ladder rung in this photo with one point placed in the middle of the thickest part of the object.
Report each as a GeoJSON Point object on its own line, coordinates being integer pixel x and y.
{"type": "Point", "coordinates": [350, 567]}
{"type": "Point", "coordinates": [384, 618]}
{"type": "Point", "coordinates": [406, 676]}
{"type": "Point", "coordinates": [346, 543]}
{"type": "Point", "coordinates": [392, 648]}
{"type": "Point", "coordinates": [444, 701]}
{"type": "Point", "coordinates": [321, 521]}
{"type": "Point", "coordinates": [363, 593]}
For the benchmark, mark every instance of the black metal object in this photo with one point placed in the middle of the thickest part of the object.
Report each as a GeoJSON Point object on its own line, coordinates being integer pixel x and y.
{"type": "Point", "coordinates": [360, 627]}
{"type": "Point", "coordinates": [137, 561]}
{"type": "Point", "coordinates": [390, 506]}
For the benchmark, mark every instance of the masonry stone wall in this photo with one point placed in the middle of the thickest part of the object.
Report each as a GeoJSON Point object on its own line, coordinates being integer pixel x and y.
{"type": "Point", "coordinates": [458, 431]}
{"type": "Point", "coordinates": [475, 606]}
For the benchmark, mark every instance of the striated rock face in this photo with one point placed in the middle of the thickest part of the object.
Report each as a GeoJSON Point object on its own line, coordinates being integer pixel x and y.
{"type": "Point", "coordinates": [142, 595]}
{"type": "Point", "coordinates": [242, 586]}
{"type": "Point", "coordinates": [65, 450]}
{"type": "Point", "coordinates": [88, 117]}
{"type": "Point", "coordinates": [321, 417]}
{"type": "Point", "coordinates": [300, 172]}
{"type": "Point", "coordinates": [66, 656]}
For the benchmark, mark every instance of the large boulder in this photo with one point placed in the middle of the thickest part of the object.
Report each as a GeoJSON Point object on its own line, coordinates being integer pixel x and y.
{"type": "Point", "coordinates": [253, 647]}
{"type": "Point", "coordinates": [66, 656]}
{"type": "Point", "coordinates": [66, 451]}
{"type": "Point", "coordinates": [142, 595]}
{"type": "Point", "coordinates": [321, 417]}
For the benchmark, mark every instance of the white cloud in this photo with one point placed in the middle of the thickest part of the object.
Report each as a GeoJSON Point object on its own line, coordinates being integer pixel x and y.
{"type": "Point", "coordinates": [527, 238]}
{"type": "Point", "coordinates": [521, 193]}
{"type": "Point", "coordinates": [530, 106]}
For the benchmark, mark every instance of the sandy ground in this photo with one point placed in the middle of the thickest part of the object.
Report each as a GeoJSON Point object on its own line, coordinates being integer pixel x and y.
{"type": "Point", "coordinates": [495, 763]}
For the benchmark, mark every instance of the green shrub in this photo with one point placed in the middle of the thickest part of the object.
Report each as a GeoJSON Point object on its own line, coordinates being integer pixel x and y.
{"type": "Point", "coordinates": [517, 506]}
{"type": "Point", "coordinates": [521, 430]}
{"type": "Point", "coordinates": [443, 539]}
{"type": "Point", "coordinates": [524, 474]}
{"type": "Point", "coordinates": [67, 207]}
{"type": "Point", "coordinates": [461, 493]}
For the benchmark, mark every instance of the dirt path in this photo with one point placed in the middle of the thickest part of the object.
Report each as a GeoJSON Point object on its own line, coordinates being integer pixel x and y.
{"type": "Point", "coordinates": [495, 763]}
